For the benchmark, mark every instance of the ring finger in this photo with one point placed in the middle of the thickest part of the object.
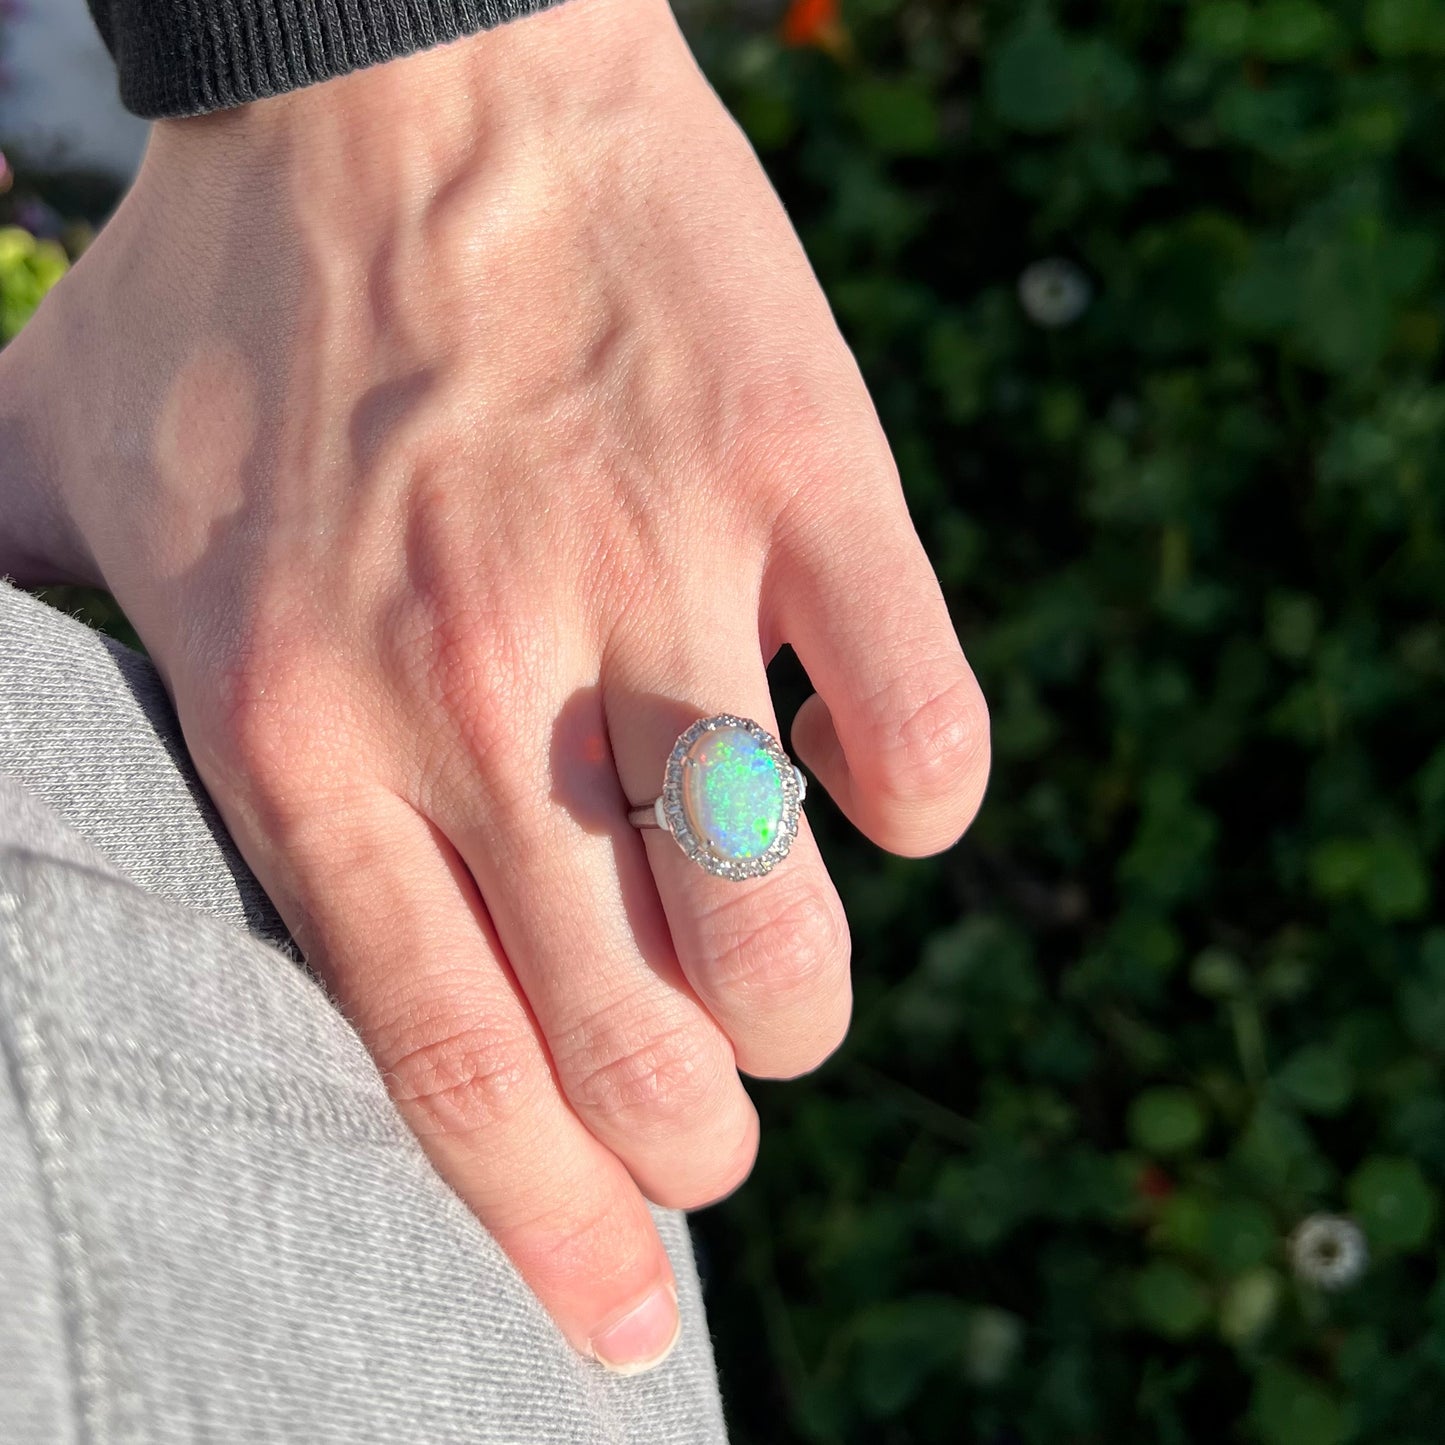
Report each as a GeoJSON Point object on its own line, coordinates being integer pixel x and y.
{"type": "Point", "coordinates": [541, 823]}
{"type": "Point", "coordinates": [767, 955]}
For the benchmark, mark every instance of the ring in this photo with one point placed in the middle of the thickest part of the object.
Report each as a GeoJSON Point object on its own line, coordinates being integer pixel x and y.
{"type": "Point", "coordinates": [730, 796]}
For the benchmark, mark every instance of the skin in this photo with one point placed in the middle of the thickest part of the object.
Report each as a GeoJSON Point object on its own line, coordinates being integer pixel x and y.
{"type": "Point", "coordinates": [454, 434]}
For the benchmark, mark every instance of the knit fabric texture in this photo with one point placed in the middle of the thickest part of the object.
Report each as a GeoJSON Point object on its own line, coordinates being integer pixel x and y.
{"type": "Point", "coordinates": [214, 1225]}
{"type": "Point", "coordinates": [187, 57]}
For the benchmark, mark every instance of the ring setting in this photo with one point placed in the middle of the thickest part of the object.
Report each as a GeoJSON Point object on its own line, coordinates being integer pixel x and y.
{"type": "Point", "coordinates": [730, 796]}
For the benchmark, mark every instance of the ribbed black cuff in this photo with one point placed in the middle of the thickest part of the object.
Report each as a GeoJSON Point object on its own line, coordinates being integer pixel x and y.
{"type": "Point", "coordinates": [186, 57]}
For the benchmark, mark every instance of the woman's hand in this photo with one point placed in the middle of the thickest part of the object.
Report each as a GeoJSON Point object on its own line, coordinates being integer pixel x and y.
{"type": "Point", "coordinates": [454, 434]}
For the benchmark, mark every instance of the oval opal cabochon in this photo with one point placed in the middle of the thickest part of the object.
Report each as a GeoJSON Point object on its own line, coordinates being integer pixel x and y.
{"type": "Point", "coordinates": [732, 793]}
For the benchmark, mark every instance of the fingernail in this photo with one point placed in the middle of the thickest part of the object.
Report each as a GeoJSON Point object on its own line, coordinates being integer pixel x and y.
{"type": "Point", "coordinates": [643, 1338]}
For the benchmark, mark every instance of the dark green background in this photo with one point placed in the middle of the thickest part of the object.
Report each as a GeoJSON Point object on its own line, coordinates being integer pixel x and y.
{"type": "Point", "coordinates": [1184, 984]}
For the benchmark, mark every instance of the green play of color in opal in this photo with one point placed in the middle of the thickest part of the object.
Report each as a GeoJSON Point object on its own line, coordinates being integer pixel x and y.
{"type": "Point", "coordinates": [732, 793]}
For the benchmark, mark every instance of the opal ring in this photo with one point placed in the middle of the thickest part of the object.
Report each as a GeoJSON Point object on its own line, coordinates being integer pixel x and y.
{"type": "Point", "coordinates": [730, 796]}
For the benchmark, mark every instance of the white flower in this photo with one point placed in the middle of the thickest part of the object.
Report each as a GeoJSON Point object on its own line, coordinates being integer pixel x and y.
{"type": "Point", "coordinates": [1329, 1250]}
{"type": "Point", "coordinates": [1054, 292]}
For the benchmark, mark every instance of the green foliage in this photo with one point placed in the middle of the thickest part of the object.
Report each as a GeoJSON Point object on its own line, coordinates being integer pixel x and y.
{"type": "Point", "coordinates": [1290, 1409]}
{"type": "Point", "coordinates": [1184, 985]}
{"type": "Point", "coordinates": [1165, 1121]}
{"type": "Point", "coordinates": [28, 269]}
{"type": "Point", "coordinates": [1394, 1203]}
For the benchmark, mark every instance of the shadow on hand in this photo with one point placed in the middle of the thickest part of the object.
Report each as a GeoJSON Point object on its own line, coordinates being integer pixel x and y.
{"type": "Point", "coordinates": [585, 783]}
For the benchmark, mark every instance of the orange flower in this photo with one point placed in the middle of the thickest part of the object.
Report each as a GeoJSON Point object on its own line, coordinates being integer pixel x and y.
{"type": "Point", "coordinates": [814, 22]}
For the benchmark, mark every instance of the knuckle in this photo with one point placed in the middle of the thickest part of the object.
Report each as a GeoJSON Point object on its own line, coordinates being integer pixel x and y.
{"type": "Point", "coordinates": [941, 748]}
{"type": "Point", "coordinates": [262, 733]}
{"type": "Point", "coordinates": [251, 710]}
{"type": "Point", "coordinates": [678, 1076]}
{"type": "Point", "coordinates": [795, 440]}
{"type": "Point", "coordinates": [477, 669]}
{"type": "Point", "coordinates": [483, 669]}
{"type": "Point", "coordinates": [476, 1079]}
{"type": "Point", "coordinates": [778, 943]}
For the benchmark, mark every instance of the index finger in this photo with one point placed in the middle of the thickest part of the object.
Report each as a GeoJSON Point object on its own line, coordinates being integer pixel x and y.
{"type": "Point", "coordinates": [391, 918]}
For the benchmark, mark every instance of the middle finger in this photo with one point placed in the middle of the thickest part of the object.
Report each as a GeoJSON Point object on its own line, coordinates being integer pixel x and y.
{"type": "Point", "coordinates": [537, 814]}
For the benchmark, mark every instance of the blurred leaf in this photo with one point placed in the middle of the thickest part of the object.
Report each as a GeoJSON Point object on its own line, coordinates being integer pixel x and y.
{"type": "Point", "coordinates": [1217, 973]}
{"type": "Point", "coordinates": [1178, 277]}
{"type": "Point", "coordinates": [1335, 285]}
{"type": "Point", "coordinates": [1278, 1153]}
{"type": "Point", "coordinates": [1223, 27]}
{"type": "Point", "coordinates": [1387, 874]}
{"type": "Point", "coordinates": [1170, 854]}
{"type": "Point", "coordinates": [991, 1345]}
{"type": "Point", "coordinates": [1430, 789]}
{"type": "Point", "coordinates": [1317, 1078]}
{"type": "Point", "coordinates": [1292, 623]}
{"type": "Point", "coordinates": [28, 269]}
{"type": "Point", "coordinates": [1170, 1300]}
{"type": "Point", "coordinates": [902, 1342]}
{"type": "Point", "coordinates": [767, 119]}
{"type": "Point", "coordinates": [976, 979]}
{"type": "Point", "coordinates": [1184, 1222]}
{"type": "Point", "coordinates": [1291, 1409]}
{"type": "Point", "coordinates": [958, 363]}
{"type": "Point", "coordinates": [898, 117]}
{"type": "Point", "coordinates": [1166, 1121]}
{"type": "Point", "coordinates": [1286, 30]}
{"type": "Point", "coordinates": [1034, 78]}
{"type": "Point", "coordinates": [1249, 1305]}
{"type": "Point", "coordinates": [1393, 1203]}
{"type": "Point", "coordinates": [1241, 1234]}
{"type": "Point", "coordinates": [1406, 27]}
{"type": "Point", "coordinates": [1422, 997]}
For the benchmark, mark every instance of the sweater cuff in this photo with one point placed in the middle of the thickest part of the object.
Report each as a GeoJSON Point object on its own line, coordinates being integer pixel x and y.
{"type": "Point", "coordinates": [187, 57]}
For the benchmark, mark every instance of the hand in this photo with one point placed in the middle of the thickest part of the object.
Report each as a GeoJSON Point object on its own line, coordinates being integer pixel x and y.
{"type": "Point", "coordinates": [454, 434]}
